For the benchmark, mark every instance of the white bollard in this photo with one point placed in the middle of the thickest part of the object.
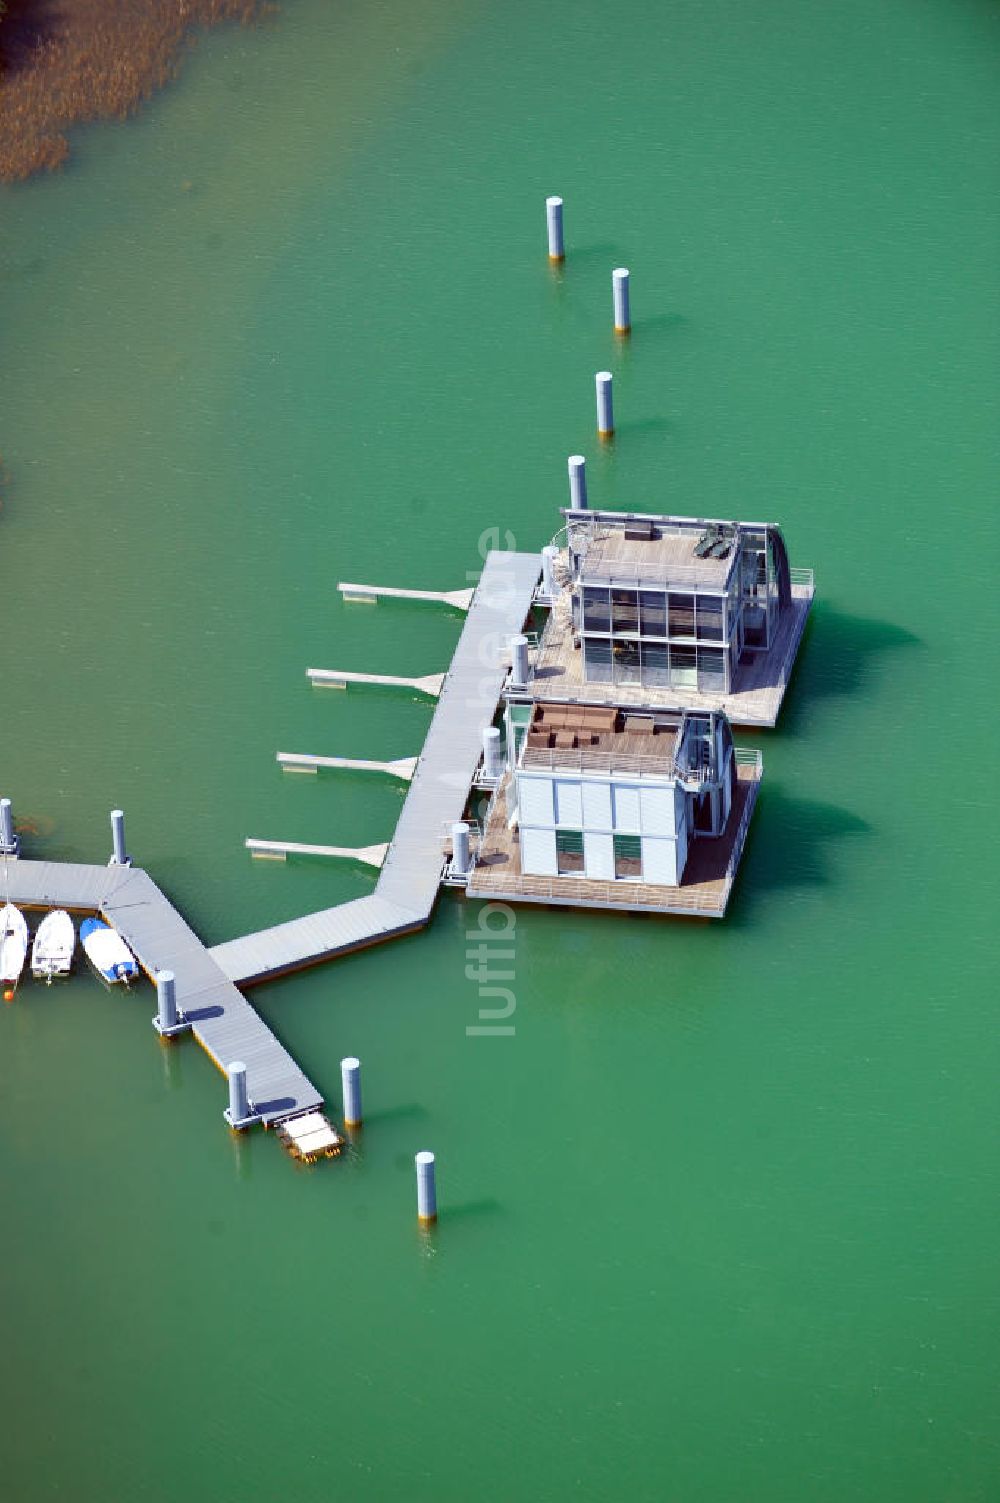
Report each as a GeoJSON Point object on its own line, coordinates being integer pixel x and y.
{"type": "Point", "coordinates": [166, 1000]}
{"type": "Point", "coordinates": [554, 224]}
{"type": "Point", "coordinates": [426, 1188]}
{"type": "Point", "coordinates": [549, 585]}
{"type": "Point", "coordinates": [519, 662]}
{"type": "Point", "coordinates": [239, 1103]}
{"type": "Point", "coordinates": [461, 858]}
{"type": "Point", "coordinates": [619, 289]}
{"type": "Point", "coordinates": [350, 1080]}
{"type": "Point", "coordinates": [577, 482]}
{"type": "Point", "coordinates": [492, 753]}
{"type": "Point", "coordinates": [120, 856]}
{"type": "Point", "coordinates": [8, 840]}
{"type": "Point", "coordinates": [605, 412]}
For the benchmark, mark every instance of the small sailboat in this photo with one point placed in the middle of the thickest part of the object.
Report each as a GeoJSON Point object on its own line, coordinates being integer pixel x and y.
{"type": "Point", "coordinates": [52, 951]}
{"type": "Point", "coordinates": [107, 952]}
{"type": "Point", "coordinates": [13, 944]}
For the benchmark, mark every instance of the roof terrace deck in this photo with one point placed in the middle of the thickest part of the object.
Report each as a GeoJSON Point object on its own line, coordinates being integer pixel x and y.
{"type": "Point", "coordinates": [592, 739]}
{"type": "Point", "coordinates": [667, 556]}
{"type": "Point", "coordinates": [703, 893]}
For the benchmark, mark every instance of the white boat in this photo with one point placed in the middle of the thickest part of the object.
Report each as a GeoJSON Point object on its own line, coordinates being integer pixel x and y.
{"type": "Point", "coordinates": [107, 952]}
{"type": "Point", "coordinates": [13, 944]}
{"type": "Point", "coordinates": [52, 951]}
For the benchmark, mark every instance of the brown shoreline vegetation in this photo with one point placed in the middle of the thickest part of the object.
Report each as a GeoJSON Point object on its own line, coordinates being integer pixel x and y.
{"type": "Point", "coordinates": [63, 62]}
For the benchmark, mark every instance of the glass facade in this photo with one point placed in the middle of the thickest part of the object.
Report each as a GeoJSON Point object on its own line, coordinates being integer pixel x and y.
{"type": "Point", "coordinates": [655, 638]}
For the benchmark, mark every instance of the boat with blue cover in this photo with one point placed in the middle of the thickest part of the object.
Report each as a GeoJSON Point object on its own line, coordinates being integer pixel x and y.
{"type": "Point", "coordinates": [107, 952]}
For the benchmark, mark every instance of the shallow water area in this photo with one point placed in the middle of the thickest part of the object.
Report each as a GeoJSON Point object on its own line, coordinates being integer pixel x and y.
{"type": "Point", "coordinates": [716, 1221]}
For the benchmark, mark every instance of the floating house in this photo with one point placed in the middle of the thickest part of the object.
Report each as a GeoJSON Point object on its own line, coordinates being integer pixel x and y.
{"type": "Point", "coordinates": [673, 612]}
{"type": "Point", "coordinates": [617, 808]}
{"type": "Point", "coordinates": [623, 787]}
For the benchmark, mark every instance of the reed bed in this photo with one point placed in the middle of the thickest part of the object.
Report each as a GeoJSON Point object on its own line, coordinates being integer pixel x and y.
{"type": "Point", "coordinates": [63, 62]}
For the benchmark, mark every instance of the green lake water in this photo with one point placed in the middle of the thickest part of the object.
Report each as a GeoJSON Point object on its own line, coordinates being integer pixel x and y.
{"type": "Point", "coordinates": [718, 1221]}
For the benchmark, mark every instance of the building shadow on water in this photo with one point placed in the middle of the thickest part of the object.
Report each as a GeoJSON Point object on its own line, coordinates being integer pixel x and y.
{"type": "Point", "coordinates": [789, 848]}
{"type": "Point", "coordinates": [840, 657]}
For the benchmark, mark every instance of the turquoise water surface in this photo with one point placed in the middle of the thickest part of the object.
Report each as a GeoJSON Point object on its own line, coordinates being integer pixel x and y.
{"type": "Point", "coordinates": [718, 1221]}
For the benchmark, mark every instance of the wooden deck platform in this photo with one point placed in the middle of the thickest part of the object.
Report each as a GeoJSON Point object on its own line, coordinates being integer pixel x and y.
{"type": "Point", "coordinates": [704, 891]}
{"type": "Point", "coordinates": [221, 1018]}
{"type": "Point", "coordinates": [557, 674]}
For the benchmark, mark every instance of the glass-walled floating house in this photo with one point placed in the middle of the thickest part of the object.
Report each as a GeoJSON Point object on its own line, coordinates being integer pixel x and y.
{"type": "Point", "coordinates": [676, 611]}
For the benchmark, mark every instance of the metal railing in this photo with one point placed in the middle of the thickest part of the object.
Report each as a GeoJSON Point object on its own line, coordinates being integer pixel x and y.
{"type": "Point", "coordinates": [689, 576]}
{"type": "Point", "coordinates": [635, 764]}
{"type": "Point", "coordinates": [803, 577]}
{"type": "Point", "coordinates": [746, 756]}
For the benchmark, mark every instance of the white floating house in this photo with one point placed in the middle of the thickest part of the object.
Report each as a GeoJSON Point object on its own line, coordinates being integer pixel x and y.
{"type": "Point", "coordinates": [619, 797]}
{"type": "Point", "coordinates": [617, 808]}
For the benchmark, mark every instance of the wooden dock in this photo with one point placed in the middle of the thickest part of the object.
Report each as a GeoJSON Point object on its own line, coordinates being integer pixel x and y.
{"type": "Point", "coordinates": [408, 884]}
{"type": "Point", "coordinates": [221, 1018]}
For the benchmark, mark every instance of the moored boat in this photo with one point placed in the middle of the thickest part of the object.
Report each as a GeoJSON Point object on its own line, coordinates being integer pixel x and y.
{"type": "Point", "coordinates": [13, 944]}
{"type": "Point", "coordinates": [107, 952]}
{"type": "Point", "coordinates": [52, 951]}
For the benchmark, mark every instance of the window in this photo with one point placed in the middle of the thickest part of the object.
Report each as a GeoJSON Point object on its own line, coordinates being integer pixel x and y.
{"type": "Point", "coordinates": [711, 668]}
{"type": "Point", "coordinates": [710, 618]}
{"type": "Point", "coordinates": [681, 615]}
{"type": "Point", "coordinates": [654, 664]}
{"type": "Point", "coordinates": [683, 667]}
{"type": "Point", "coordinates": [626, 662]}
{"type": "Point", "coordinates": [625, 610]}
{"type": "Point", "coordinates": [628, 858]}
{"type": "Point", "coordinates": [596, 609]}
{"type": "Point", "coordinates": [597, 660]}
{"type": "Point", "coordinates": [569, 853]}
{"type": "Point", "coordinates": [653, 613]}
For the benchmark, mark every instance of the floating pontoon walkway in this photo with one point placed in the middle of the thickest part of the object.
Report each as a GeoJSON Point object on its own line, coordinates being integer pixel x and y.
{"type": "Point", "coordinates": [221, 1018]}
{"type": "Point", "coordinates": [402, 767]}
{"type": "Point", "coordinates": [411, 874]}
{"type": "Point", "coordinates": [459, 600]}
{"type": "Point", "coordinates": [277, 850]}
